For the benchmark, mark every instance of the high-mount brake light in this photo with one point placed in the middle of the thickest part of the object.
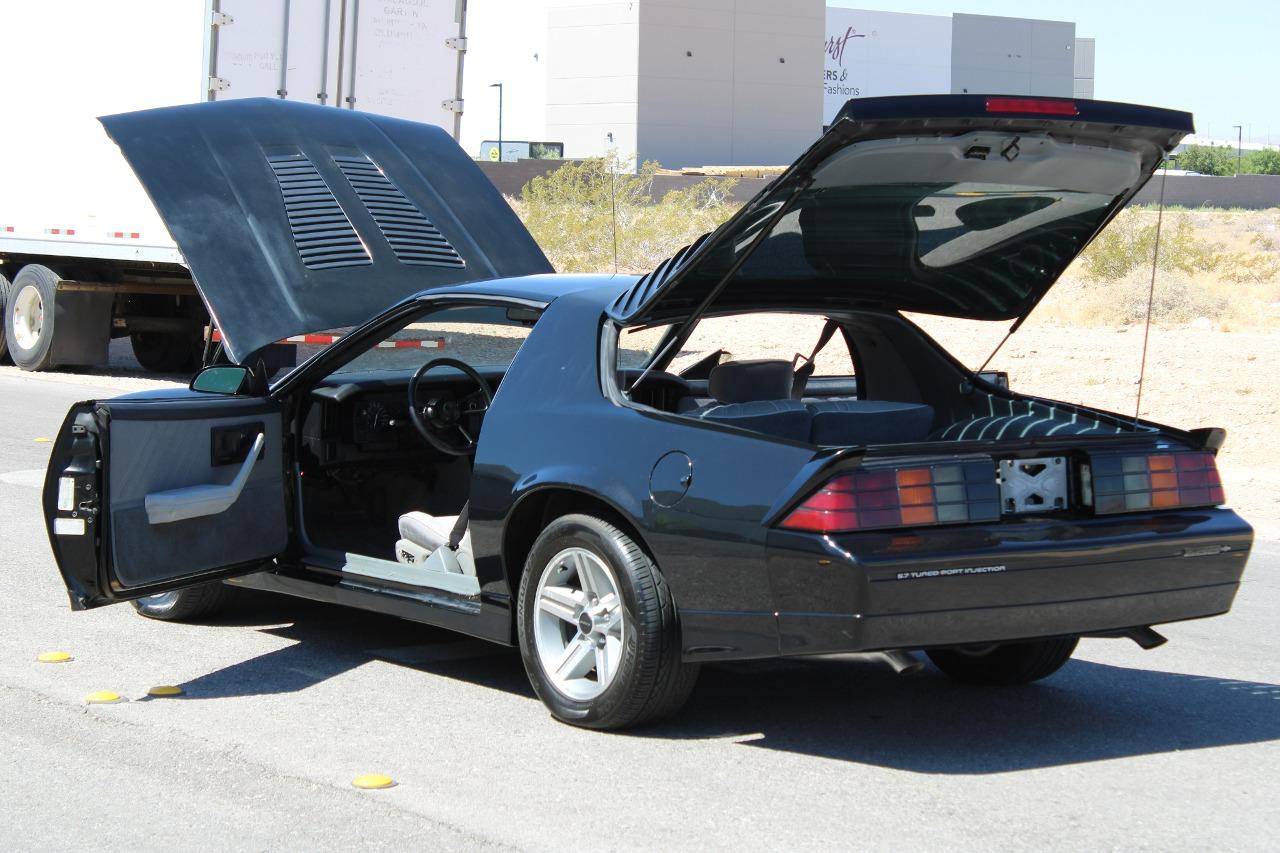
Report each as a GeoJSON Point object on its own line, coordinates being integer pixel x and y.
{"type": "Point", "coordinates": [951, 493]}
{"type": "Point", "coordinates": [1040, 106]}
{"type": "Point", "coordinates": [1131, 483]}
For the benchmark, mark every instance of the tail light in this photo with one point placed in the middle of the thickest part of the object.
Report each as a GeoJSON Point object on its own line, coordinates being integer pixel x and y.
{"type": "Point", "coordinates": [1039, 106]}
{"type": "Point", "coordinates": [1157, 481]}
{"type": "Point", "coordinates": [953, 493]}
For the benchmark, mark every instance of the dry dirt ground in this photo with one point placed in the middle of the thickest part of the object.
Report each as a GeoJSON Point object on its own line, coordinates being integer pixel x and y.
{"type": "Point", "coordinates": [1195, 377]}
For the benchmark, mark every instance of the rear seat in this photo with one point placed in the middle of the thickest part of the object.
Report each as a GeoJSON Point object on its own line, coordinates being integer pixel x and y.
{"type": "Point", "coordinates": [756, 395]}
{"type": "Point", "coordinates": [855, 422]}
{"type": "Point", "coordinates": [781, 418]}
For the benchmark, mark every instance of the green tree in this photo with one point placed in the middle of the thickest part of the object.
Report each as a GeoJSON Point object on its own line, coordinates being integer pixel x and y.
{"type": "Point", "coordinates": [1208, 159]}
{"type": "Point", "coordinates": [1264, 162]}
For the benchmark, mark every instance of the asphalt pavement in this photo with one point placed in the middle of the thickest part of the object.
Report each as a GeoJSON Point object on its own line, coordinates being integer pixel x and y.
{"type": "Point", "coordinates": [286, 701]}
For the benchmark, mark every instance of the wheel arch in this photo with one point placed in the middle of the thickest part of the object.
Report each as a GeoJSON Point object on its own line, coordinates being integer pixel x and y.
{"type": "Point", "coordinates": [540, 506]}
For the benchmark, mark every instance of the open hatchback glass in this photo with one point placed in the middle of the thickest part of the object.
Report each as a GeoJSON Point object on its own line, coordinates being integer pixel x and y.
{"type": "Point", "coordinates": [966, 206]}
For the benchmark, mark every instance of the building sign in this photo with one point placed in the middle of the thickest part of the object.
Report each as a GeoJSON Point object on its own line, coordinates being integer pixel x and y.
{"type": "Point", "coordinates": [869, 54]}
{"type": "Point", "coordinates": [513, 150]}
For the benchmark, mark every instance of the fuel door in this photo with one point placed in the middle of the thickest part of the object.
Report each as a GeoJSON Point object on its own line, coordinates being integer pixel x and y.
{"type": "Point", "coordinates": [670, 478]}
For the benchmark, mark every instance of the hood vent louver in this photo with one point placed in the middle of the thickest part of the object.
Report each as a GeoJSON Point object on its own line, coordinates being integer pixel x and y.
{"type": "Point", "coordinates": [321, 231]}
{"type": "Point", "coordinates": [413, 238]}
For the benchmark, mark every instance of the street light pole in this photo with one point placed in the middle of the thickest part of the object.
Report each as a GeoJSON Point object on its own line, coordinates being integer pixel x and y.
{"type": "Point", "coordinates": [1239, 145]}
{"type": "Point", "coordinates": [498, 86]}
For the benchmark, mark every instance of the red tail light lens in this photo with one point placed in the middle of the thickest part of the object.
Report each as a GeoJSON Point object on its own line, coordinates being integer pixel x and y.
{"type": "Point", "coordinates": [900, 497]}
{"type": "Point", "coordinates": [1157, 481]}
{"type": "Point", "coordinates": [1040, 106]}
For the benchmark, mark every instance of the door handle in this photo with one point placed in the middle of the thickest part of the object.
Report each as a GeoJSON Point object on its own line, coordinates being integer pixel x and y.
{"type": "Point", "coordinates": [205, 499]}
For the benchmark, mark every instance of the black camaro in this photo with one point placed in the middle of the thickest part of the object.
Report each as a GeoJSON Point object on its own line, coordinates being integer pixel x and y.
{"type": "Point", "coordinates": [546, 460]}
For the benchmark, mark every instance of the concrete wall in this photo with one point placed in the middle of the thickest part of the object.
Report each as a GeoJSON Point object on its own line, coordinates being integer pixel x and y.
{"type": "Point", "coordinates": [1014, 56]}
{"type": "Point", "coordinates": [1085, 50]}
{"type": "Point", "coordinates": [1254, 192]}
{"type": "Point", "coordinates": [592, 83]}
{"type": "Point", "coordinates": [729, 82]}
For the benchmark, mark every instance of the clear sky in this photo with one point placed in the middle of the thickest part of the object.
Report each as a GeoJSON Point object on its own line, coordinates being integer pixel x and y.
{"type": "Point", "coordinates": [1220, 61]}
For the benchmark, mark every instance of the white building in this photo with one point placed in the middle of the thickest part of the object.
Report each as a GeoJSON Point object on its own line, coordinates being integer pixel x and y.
{"type": "Point", "coordinates": [734, 82]}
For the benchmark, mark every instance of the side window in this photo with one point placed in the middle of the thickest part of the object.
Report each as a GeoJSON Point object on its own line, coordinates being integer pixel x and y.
{"type": "Point", "coordinates": [746, 337]}
{"type": "Point", "coordinates": [480, 335]}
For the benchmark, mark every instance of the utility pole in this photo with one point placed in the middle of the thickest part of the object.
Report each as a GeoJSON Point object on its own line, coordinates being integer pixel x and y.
{"type": "Point", "coordinates": [498, 86]}
{"type": "Point", "coordinates": [1239, 145]}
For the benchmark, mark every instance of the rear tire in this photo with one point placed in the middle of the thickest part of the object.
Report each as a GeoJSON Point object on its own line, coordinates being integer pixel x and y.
{"type": "Point", "coordinates": [182, 605]}
{"type": "Point", "coordinates": [623, 618]}
{"type": "Point", "coordinates": [161, 352]}
{"type": "Point", "coordinates": [29, 317]}
{"type": "Point", "coordinates": [1005, 663]}
{"type": "Point", "coordinates": [4, 301]}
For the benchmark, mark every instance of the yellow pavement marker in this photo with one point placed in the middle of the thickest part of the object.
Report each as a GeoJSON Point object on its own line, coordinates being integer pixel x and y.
{"type": "Point", "coordinates": [165, 690]}
{"type": "Point", "coordinates": [103, 697]}
{"type": "Point", "coordinates": [43, 440]}
{"type": "Point", "coordinates": [54, 657]}
{"type": "Point", "coordinates": [373, 780]}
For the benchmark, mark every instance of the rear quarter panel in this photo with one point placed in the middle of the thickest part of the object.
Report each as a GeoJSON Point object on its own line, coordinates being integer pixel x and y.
{"type": "Point", "coordinates": [551, 426]}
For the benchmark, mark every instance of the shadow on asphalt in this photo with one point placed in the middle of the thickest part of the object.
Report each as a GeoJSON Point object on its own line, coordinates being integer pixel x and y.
{"type": "Point", "coordinates": [842, 709]}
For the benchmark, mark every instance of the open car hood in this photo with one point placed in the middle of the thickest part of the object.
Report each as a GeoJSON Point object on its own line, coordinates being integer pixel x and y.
{"type": "Point", "coordinates": [295, 217]}
{"type": "Point", "coordinates": [963, 205]}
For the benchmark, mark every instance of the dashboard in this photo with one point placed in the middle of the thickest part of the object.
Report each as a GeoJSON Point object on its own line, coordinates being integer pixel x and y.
{"type": "Point", "coordinates": [365, 417]}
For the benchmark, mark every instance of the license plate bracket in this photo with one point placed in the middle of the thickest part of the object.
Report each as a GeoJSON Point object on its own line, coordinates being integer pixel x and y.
{"type": "Point", "coordinates": [1033, 485]}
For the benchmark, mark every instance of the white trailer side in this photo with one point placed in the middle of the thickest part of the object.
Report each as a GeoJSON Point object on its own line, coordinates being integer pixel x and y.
{"type": "Point", "coordinates": [83, 255]}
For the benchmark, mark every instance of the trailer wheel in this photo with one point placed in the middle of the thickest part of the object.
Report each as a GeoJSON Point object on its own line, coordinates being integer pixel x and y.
{"type": "Point", "coordinates": [29, 317]}
{"type": "Point", "coordinates": [165, 353]}
{"type": "Point", "coordinates": [4, 300]}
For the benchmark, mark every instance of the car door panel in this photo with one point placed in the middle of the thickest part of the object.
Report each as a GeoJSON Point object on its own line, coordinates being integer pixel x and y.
{"type": "Point", "coordinates": [169, 450]}
{"type": "Point", "coordinates": [147, 457]}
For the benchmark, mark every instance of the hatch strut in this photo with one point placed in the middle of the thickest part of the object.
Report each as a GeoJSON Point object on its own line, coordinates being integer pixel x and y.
{"type": "Point", "coordinates": [1151, 293]}
{"type": "Point", "coordinates": [685, 329]}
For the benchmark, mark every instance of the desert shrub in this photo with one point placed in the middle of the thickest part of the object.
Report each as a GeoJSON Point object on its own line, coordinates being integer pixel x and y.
{"type": "Point", "coordinates": [571, 213]}
{"type": "Point", "coordinates": [1178, 298]}
{"type": "Point", "coordinates": [1129, 243]}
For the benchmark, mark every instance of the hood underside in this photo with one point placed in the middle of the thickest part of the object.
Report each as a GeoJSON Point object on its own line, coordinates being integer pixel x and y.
{"type": "Point", "coordinates": [295, 218]}
{"type": "Point", "coordinates": [966, 206]}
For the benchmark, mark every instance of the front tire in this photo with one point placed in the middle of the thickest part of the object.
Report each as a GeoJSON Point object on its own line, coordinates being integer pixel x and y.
{"type": "Point", "coordinates": [182, 605]}
{"type": "Point", "coordinates": [1005, 663]}
{"type": "Point", "coordinates": [598, 628]}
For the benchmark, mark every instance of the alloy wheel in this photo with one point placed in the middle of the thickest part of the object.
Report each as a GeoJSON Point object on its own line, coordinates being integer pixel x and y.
{"type": "Point", "coordinates": [578, 624]}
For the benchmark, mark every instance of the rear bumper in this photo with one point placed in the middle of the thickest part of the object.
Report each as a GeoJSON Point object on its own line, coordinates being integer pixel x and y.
{"type": "Point", "coordinates": [1016, 580]}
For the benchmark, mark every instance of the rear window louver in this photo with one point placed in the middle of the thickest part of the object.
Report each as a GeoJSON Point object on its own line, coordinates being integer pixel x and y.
{"type": "Point", "coordinates": [413, 238]}
{"type": "Point", "coordinates": [321, 231]}
{"type": "Point", "coordinates": [638, 295]}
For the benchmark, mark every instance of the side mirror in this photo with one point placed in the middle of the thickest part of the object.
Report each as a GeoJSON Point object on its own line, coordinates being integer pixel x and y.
{"type": "Point", "coordinates": [222, 379]}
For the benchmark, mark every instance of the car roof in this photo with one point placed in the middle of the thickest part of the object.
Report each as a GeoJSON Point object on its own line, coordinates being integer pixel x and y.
{"type": "Point", "coordinates": [541, 288]}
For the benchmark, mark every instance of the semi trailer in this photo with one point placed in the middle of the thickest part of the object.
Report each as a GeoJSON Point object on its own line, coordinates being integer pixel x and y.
{"type": "Point", "coordinates": [84, 258]}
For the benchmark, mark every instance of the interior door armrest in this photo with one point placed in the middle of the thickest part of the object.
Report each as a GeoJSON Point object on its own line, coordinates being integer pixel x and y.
{"type": "Point", "coordinates": [205, 499]}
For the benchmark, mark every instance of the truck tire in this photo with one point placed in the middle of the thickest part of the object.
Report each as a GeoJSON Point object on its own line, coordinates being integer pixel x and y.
{"type": "Point", "coordinates": [4, 301]}
{"type": "Point", "coordinates": [29, 317]}
{"type": "Point", "coordinates": [159, 352]}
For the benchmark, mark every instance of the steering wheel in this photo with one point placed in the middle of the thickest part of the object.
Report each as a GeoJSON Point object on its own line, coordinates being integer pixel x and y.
{"type": "Point", "coordinates": [439, 417]}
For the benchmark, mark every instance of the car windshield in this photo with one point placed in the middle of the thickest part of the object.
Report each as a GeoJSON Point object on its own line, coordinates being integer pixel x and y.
{"type": "Point", "coordinates": [480, 335]}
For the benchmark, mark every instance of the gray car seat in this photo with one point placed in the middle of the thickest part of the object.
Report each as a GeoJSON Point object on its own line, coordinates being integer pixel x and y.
{"type": "Point", "coordinates": [756, 395]}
